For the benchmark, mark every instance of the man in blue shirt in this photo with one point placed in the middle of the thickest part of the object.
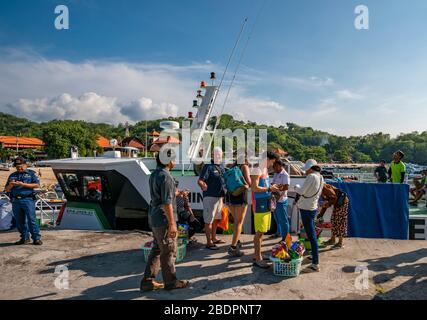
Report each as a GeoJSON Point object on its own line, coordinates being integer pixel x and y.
{"type": "Point", "coordinates": [20, 187]}
{"type": "Point", "coordinates": [211, 182]}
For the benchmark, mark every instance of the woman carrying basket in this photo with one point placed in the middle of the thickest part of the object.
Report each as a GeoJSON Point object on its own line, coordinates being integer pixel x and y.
{"type": "Point", "coordinates": [337, 198]}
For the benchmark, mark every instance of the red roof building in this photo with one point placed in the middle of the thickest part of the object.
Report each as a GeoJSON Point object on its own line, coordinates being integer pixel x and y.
{"type": "Point", "coordinates": [133, 142]}
{"type": "Point", "coordinates": [168, 139]}
{"type": "Point", "coordinates": [102, 142]}
{"type": "Point", "coordinates": [157, 144]}
{"type": "Point", "coordinates": [11, 142]}
{"type": "Point", "coordinates": [280, 152]}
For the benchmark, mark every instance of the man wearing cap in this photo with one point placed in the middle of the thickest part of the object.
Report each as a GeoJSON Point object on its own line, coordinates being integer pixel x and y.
{"type": "Point", "coordinates": [20, 187]}
{"type": "Point", "coordinates": [310, 193]}
{"type": "Point", "coordinates": [397, 170]}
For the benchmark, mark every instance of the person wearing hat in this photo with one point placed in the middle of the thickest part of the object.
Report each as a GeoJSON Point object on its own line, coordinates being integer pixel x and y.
{"type": "Point", "coordinates": [310, 193]}
{"type": "Point", "coordinates": [20, 187]}
{"type": "Point", "coordinates": [397, 170]}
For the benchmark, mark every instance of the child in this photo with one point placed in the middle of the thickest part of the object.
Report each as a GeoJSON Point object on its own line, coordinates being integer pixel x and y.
{"type": "Point", "coordinates": [185, 213]}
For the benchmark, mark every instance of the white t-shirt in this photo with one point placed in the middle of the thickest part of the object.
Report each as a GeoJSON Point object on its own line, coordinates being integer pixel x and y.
{"type": "Point", "coordinates": [310, 192]}
{"type": "Point", "coordinates": [282, 178]}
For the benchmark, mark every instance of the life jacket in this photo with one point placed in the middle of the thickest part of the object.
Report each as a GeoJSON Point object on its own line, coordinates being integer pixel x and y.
{"type": "Point", "coordinates": [261, 200]}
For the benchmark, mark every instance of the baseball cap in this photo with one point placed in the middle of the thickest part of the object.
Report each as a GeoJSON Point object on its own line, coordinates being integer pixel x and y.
{"type": "Point", "coordinates": [309, 164]}
{"type": "Point", "coordinates": [19, 160]}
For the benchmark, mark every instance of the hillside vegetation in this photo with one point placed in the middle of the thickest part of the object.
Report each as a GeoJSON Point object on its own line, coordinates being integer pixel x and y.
{"type": "Point", "coordinates": [301, 142]}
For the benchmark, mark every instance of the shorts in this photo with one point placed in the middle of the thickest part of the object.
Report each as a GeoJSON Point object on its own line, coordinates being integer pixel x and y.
{"type": "Point", "coordinates": [212, 209]}
{"type": "Point", "coordinates": [239, 200]}
{"type": "Point", "coordinates": [262, 222]}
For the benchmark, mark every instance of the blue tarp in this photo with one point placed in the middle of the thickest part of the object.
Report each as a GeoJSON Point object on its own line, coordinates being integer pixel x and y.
{"type": "Point", "coordinates": [377, 210]}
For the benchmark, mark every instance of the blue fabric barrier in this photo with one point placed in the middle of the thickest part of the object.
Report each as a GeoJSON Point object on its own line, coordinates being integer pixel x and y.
{"type": "Point", "coordinates": [377, 210]}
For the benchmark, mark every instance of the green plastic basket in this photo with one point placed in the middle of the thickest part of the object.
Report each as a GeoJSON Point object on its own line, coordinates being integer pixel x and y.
{"type": "Point", "coordinates": [230, 229]}
{"type": "Point", "coordinates": [286, 269]}
{"type": "Point", "coordinates": [180, 252]}
{"type": "Point", "coordinates": [307, 243]}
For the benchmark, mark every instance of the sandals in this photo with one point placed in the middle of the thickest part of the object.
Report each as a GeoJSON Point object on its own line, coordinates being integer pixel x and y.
{"type": "Point", "coordinates": [147, 285]}
{"type": "Point", "coordinates": [264, 258]}
{"type": "Point", "coordinates": [261, 264]}
{"type": "Point", "coordinates": [214, 247]}
{"type": "Point", "coordinates": [312, 268]}
{"type": "Point", "coordinates": [218, 241]}
{"type": "Point", "coordinates": [338, 246]}
{"type": "Point", "coordinates": [179, 284]}
{"type": "Point", "coordinates": [328, 243]}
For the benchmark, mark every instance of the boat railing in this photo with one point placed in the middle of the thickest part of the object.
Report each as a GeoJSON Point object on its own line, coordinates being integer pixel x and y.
{"type": "Point", "coordinates": [368, 177]}
{"type": "Point", "coordinates": [47, 210]}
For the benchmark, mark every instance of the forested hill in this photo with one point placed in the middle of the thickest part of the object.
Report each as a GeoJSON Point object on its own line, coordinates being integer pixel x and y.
{"type": "Point", "coordinates": [301, 142]}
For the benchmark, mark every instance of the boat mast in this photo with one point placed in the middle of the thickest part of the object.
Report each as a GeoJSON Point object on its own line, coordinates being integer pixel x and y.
{"type": "Point", "coordinates": [205, 109]}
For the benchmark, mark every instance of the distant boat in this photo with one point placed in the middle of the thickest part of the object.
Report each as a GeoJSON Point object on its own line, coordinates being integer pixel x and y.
{"type": "Point", "coordinates": [4, 167]}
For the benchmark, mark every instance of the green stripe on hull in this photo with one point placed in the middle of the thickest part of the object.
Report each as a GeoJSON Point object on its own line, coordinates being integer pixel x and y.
{"type": "Point", "coordinates": [94, 206]}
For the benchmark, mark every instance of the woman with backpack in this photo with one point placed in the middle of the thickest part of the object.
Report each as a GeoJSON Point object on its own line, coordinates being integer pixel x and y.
{"type": "Point", "coordinates": [236, 201]}
{"type": "Point", "coordinates": [337, 198]}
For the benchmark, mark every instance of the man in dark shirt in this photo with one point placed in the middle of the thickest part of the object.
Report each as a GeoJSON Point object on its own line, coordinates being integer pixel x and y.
{"type": "Point", "coordinates": [381, 172]}
{"type": "Point", "coordinates": [211, 182]}
{"type": "Point", "coordinates": [20, 187]}
{"type": "Point", "coordinates": [162, 218]}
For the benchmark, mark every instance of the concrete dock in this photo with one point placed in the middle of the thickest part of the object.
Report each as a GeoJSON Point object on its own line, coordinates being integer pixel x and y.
{"type": "Point", "coordinates": [109, 265]}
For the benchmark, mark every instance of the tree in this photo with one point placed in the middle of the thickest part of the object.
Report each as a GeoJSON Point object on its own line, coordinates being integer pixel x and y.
{"type": "Point", "coordinates": [60, 136]}
{"type": "Point", "coordinates": [361, 157]}
{"type": "Point", "coordinates": [342, 156]}
{"type": "Point", "coordinates": [301, 142]}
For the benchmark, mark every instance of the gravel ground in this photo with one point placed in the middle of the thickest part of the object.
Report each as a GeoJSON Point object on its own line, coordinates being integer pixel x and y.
{"type": "Point", "coordinates": [109, 265]}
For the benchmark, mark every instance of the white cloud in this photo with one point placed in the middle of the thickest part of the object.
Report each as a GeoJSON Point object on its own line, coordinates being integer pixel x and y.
{"type": "Point", "coordinates": [144, 108]}
{"type": "Point", "coordinates": [114, 91]}
{"type": "Point", "coordinates": [348, 95]}
{"type": "Point", "coordinates": [309, 83]}
{"type": "Point", "coordinates": [89, 106]}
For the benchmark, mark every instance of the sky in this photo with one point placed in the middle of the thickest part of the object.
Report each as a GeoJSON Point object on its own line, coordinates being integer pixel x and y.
{"type": "Point", "coordinates": [134, 60]}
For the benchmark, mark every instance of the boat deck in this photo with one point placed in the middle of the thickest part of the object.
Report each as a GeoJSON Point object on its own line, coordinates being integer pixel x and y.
{"type": "Point", "coordinates": [421, 209]}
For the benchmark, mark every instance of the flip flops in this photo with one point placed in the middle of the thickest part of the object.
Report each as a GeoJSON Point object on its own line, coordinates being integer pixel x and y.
{"type": "Point", "coordinates": [214, 247]}
{"type": "Point", "coordinates": [337, 246]}
{"type": "Point", "coordinates": [328, 243]}
{"type": "Point", "coordinates": [261, 264]}
{"type": "Point", "coordinates": [218, 241]}
{"type": "Point", "coordinates": [311, 268]}
{"type": "Point", "coordinates": [264, 258]}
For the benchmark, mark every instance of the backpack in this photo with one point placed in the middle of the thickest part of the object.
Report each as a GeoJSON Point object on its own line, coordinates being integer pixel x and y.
{"type": "Point", "coordinates": [234, 181]}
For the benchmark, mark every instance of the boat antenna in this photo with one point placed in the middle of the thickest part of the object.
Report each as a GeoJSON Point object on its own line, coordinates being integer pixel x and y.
{"type": "Point", "coordinates": [232, 52]}
{"type": "Point", "coordinates": [242, 54]}
{"type": "Point", "coordinates": [223, 76]}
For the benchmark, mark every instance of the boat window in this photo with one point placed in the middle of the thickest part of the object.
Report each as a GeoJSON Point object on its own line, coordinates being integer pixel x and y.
{"type": "Point", "coordinates": [71, 183]}
{"type": "Point", "coordinates": [92, 188]}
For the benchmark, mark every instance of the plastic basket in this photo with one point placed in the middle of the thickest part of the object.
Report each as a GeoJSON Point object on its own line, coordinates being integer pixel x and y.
{"type": "Point", "coordinates": [307, 243]}
{"type": "Point", "coordinates": [180, 252]}
{"type": "Point", "coordinates": [286, 269]}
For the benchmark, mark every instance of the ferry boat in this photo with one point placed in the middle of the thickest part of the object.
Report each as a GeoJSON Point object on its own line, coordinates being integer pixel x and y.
{"type": "Point", "coordinates": [112, 192]}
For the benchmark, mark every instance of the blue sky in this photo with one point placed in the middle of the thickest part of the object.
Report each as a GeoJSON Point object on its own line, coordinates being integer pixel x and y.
{"type": "Point", "coordinates": [305, 63]}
